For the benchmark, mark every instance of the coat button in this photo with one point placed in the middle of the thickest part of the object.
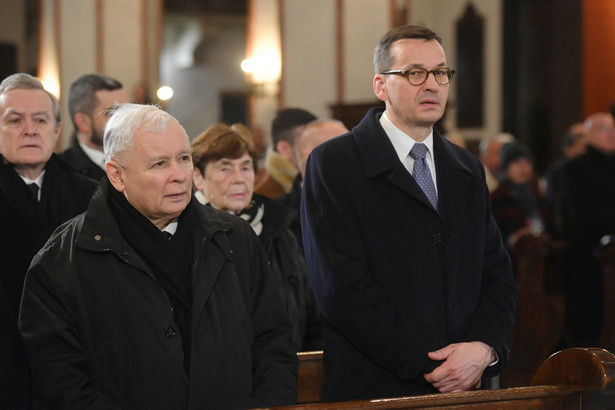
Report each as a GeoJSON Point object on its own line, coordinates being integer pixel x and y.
{"type": "Point", "coordinates": [436, 238]}
{"type": "Point", "coordinates": [171, 332]}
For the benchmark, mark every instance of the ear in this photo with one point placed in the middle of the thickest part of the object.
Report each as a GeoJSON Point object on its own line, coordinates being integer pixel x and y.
{"type": "Point", "coordinates": [286, 150]}
{"type": "Point", "coordinates": [380, 87]}
{"type": "Point", "coordinates": [56, 133]}
{"type": "Point", "coordinates": [198, 180]}
{"type": "Point", "coordinates": [115, 173]}
{"type": "Point", "coordinates": [83, 122]}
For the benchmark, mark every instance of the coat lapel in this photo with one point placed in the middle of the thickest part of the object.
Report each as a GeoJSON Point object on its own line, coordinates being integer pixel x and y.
{"type": "Point", "coordinates": [453, 178]}
{"type": "Point", "coordinates": [212, 254]}
{"type": "Point", "coordinates": [379, 157]}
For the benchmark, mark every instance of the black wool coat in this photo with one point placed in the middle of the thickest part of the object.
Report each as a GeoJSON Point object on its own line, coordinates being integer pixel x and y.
{"type": "Point", "coordinates": [26, 226]}
{"type": "Point", "coordinates": [100, 333]}
{"type": "Point", "coordinates": [78, 159]}
{"type": "Point", "coordinates": [393, 277]}
{"type": "Point", "coordinates": [288, 267]}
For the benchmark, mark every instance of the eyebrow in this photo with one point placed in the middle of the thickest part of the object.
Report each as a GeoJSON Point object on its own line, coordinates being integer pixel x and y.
{"type": "Point", "coordinates": [164, 157]}
{"type": "Point", "coordinates": [442, 64]}
{"type": "Point", "coordinates": [226, 161]}
{"type": "Point", "coordinates": [12, 111]}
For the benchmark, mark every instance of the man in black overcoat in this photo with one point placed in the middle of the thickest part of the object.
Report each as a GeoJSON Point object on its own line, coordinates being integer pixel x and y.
{"type": "Point", "coordinates": [38, 191]}
{"type": "Point", "coordinates": [414, 283]}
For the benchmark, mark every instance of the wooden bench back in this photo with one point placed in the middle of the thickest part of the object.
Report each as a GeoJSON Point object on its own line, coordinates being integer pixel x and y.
{"type": "Point", "coordinates": [579, 378]}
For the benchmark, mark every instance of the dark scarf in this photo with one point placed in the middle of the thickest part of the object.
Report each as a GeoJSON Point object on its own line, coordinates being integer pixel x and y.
{"type": "Point", "coordinates": [169, 259]}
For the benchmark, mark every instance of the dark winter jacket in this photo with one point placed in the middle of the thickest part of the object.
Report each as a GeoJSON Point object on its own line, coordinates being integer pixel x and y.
{"type": "Point", "coordinates": [100, 332]}
{"type": "Point", "coordinates": [288, 266]}
{"type": "Point", "coordinates": [26, 226]}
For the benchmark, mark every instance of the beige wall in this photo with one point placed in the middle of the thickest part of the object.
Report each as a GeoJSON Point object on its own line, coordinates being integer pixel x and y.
{"type": "Point", "coordinates": [441, 16]}
{"type": "Point", "coordinates": [311, 57]}
{"type": "Point", "coordinates": [365, 21]}
{"type": "Point", "coordinates": [309, 54]}
{"type": "Point", "coordinates": [120, 38]}
{"type": "Point", "coordinates": [12, 22]}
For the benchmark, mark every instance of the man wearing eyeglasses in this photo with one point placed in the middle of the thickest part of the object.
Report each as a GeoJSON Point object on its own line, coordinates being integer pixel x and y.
{"type": "Point", "coordinates": [407, 264]}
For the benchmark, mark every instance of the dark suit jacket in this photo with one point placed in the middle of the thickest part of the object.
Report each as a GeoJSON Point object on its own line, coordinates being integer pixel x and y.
{"type": "Point", "coordinates": [26, 226]}
{"type": "Point", "coordinates": [78, 159]}
{"type": "Point", "coordinates": [14, 385]}
{"type": "Point", "coordinates": [293, 201]}
{"type": "Point", "coordinates": [393, 277]}
{"type": "Point", "coordinates": [590, 189]}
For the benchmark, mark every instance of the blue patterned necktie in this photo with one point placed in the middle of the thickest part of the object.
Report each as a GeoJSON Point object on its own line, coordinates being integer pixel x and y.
{"type": "Point", "coordinates": [421, 173]}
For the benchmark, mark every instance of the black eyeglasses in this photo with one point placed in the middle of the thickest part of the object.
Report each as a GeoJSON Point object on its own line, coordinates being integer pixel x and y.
{"type": "Point", "coordinates": [418, 76]}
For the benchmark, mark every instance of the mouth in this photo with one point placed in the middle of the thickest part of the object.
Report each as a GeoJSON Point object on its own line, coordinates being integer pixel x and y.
{"type": "Point", "coordinates": [177, 196]}
{"type": "Point", "coordinates": [430, 102]}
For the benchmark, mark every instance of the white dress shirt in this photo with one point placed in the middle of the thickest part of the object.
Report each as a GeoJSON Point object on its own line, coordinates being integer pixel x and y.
{"type": "Point", "coordinates": [403, 143]}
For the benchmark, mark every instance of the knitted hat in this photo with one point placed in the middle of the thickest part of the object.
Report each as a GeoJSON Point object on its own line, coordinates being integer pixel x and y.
{"type": "Point", "coordinates": [511, 152]}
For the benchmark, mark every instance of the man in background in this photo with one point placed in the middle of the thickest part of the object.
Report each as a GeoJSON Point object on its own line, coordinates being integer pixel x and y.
{"type": "Point", "coordinates": [90, 99]}
{"type": "Point", "coordinates": [590, 198]}
{"type": "Point", "coordinates": [309, 137]}
{"type": "Point", "coordinates": [38, 191]}
{"type": "Point", "coordinates": [572, 145]}
{"type": "Point", "coordinates": [281, 161]}
{"type": "Point", "coordinates": [489, 154]}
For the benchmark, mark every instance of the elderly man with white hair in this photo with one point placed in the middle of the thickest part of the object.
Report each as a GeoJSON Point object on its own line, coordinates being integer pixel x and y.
{"type": "Point", "coordinates": [150, 300]}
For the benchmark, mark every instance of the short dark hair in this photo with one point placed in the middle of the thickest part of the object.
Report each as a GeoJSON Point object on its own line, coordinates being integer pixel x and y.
{"type": "Point", "coordinates": [82, 95]}
{"type": "Point", "coordinates": [285, 121]}
{"type": "Point", "coordinates": [222, 141]}
{"type": "Point", "coordinates": [382, 55]}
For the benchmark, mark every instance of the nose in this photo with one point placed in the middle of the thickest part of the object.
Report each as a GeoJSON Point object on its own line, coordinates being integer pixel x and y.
{"type": "Point", "coordinates": [431, 82]}
{"type": "Point", "coordinates": [238, 176]}
{"type": "Point", "coordinates": [178, 173]}
{"type": "Point", "coordinates": [31, 127]}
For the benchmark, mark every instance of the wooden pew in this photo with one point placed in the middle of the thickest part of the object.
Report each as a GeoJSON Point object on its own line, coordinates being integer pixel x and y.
{"type": "Point", "coordinates": [607, 259]}
{"type": "Point", "coordinates": [310, 377]}
{"type": "Point", "coordinates": [540, 314]}
{"type": "Point", "coordinates": [579, 378]}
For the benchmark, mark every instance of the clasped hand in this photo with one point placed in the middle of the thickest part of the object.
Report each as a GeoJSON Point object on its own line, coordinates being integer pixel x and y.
{"type": "Point", "coordinates": [463, 367]}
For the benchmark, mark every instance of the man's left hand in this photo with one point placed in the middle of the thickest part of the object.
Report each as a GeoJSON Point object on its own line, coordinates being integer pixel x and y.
{"type": "Point", "coordinates": [463, 366]}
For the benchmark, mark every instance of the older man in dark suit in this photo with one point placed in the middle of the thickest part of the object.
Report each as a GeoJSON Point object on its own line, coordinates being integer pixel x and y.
{"type": "Point", "coordinates": [406, 261]}
{"type": "Point", "coordinates": [149, 300]}
{"type": "Point", "coordinates": [38, 191]}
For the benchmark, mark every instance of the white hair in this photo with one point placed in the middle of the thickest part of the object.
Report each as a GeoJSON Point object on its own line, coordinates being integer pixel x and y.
{"type": "Point", "coordinates": [125, 120]}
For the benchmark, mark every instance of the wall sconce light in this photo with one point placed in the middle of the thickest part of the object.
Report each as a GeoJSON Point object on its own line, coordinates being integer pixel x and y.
{"type": "Point", "coordinates": [164, 93]}
{"type": "Point", "coordinates": [262, 74]}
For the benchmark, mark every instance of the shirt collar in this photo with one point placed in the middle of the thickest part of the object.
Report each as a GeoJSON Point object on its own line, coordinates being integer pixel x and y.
{"type": "Point", "coordinates": [38, 181]}
{"type": "Point", "coordinates": [97, 157]}
{"type": "Point", "coordinates": [401, 141]}
{"type": "Point", "coordinates": [171, 228]}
